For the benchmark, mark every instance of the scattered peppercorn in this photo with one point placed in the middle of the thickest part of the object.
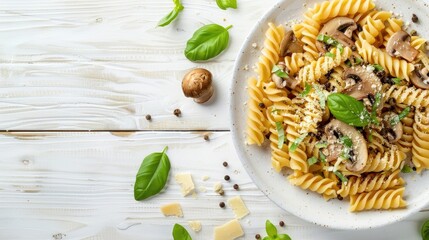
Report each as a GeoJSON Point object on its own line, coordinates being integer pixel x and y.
{"type": "Point", "coordinates": [413, 33]}
{"type": "Point", "coordinates": [148, 117]}
{"type": "Point", "coordinates": [282, 224]}
{"type": "Point", "coordinates": [222, 204]}
{"type": "Point", "coordinates": [414, 169]}
{"type": "Point", "coordinates": [261, 105]}
{"type": "Point", "coordinates": [225, 164]}
{"type": "Point", "coordinates": [221, 192]}
{"type": "Point", "coordinates": [414, 18]}
{"type": "Point", "coordinates": [226, 178]}
{"type": "Point", "coordinates": [206, 137]}
{"type": "Point", "coordinates": [236, 187]}
{"type": "Point", "coordinates": [257, 236]}
{"type": "Point", "coordinates": [354, 48]}
{"type": "Point", "coordinates": [339, 198]}
{"type": "Point", "coordinates": [267, 136]}
{"type": "Point", "coordinates": [177, 112]}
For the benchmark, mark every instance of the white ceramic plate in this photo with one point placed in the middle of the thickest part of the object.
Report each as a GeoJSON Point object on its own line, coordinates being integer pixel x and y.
{"type": "Point", "coordinates": [305, 204]}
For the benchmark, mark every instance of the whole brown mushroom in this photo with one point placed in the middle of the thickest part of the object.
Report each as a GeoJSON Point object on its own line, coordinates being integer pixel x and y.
{"type": "Point", "coordinates": [197, 84]}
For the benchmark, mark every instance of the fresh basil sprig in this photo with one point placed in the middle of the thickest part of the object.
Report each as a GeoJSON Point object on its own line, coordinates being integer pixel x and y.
{"type": "Point", "coordinates": [279, 72]}
{"type": "Point", "coordinates": [281, 134]}
{"type": "Point", "coordinates": [152, 175]}
{"type": "Point", "coordinates": [348, 110]}
{"type": "Point", "coordinates": [312, 161]}
{"type": "Point", "coordinates": [272, 232]}
{"type": "Point", "coordinates": [320, 145]}
{"type": "Point", "coordinates": [397, 118]}
{"type": "Point", "coordinates": [397, 81]}
{"type": "Point", "coordinates": [425, 230]}
{"type": "Point", "coordinates": [297, 141]}
{"type": "Point", "coordinates": [329, 54]}
{"type": "Point", "coordinates": [180, 233]}
{"type": "Point", "coordinates": [224, 4]}
{"type": "Point", "coordinates": [178, 7]}
{"type": "Point", "coordinates": [207, 42]}
{"type": "Point", "coordinates": [406, 169]}
{"type": "Point", "coordinates": [330, 41]}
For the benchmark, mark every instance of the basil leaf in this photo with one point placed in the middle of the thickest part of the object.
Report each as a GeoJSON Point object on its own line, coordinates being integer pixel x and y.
{"type": "Point", "coordinates": [346, 141]}
{"type": "Point", "coordinates": [341, 176]}
{"type": "Point", "coordinates": [207, 42]}
{"type": "Point", "coordinates": [396, 119]}
{"type": "Point", "coordinates": [279, 72]}
{"type": "Point", "coordinates": [312, 161]}
{"type": "Point", "coordinates": [270, 228]}
{"type": "Point", "coordinates": [358, 60]}
{"type": "Point", "coordinates": [406, 169]}
{"type": "Point", "coordinates": [397, 81]}
{"type": "Point", "coordinates": [329, 54]}
{"type": "Point", "coordinates": [378, 67]}
{"type": "Point", "coordinates": [283, 237]}
{"type": "Point", "coordinates": [425, 230]}
{"type": "Point", "coordinates": [330, 41]}
{"type": "Point", "coordinates": [180, 233]}
{"type": "Point", "coordinates": [321, 95]}
{"type": "Point", "coordinates": [306, 91]}
{"type": "Point", "coordinates": [267, 238]}
{"type": "Point", "coordinates": [348, 110]}
{"type": "Point", "coordinates": [172, 15]}
{"type": "Point", "coordinates": [224, 4]}
{"type": "Point", "coordinates": [152, 175]}
{"type": "Point", "coordinates": [281, 134]}
{"type": "Point", "coordinates": [297, 141]}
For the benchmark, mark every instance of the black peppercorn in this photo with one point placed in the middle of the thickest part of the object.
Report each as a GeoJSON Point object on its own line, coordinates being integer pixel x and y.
{"type": "Point", "coordinates": [257, 236]}
{"type": "Point", "coordinates": [222, 204]}
{"type": "Point", "coordinates": [261, 105]}
{"type": "Point", "coordinates": [226, 178]}
{"type": "Point", "coordinates": [414, 18]}
{"type": "Point", "coordinates": [148, 117]}
{"type": "Point", "coordinates": [339, 197]}
{"type": "Point", "coordinates": [225, 164]}
{"type": "Point", "coordinates": [206, 137]}
{"type": "Point", "coordinates": [282, 224]}
{"type": "Point", "coordinates": [236, 187]}
{"type": "Point", "coordinates": [177, 112]}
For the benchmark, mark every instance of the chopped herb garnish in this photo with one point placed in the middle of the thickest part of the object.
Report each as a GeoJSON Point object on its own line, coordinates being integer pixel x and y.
{"type": "Point", "coordinates": [397, 118]}
{"type": "Point", "coordinates": [358, 60]}
{"type": "Point", "coordinates": [397, 81]}
{"type": "Point", "coordinates": [281, 134]}
{"type": "Point", "coordinates": [312, 161]}
{"type": "Point", "coordinates": [322, 157]}
{"type": "Point", "coordinates": [330, 41]}
{"type": "Point", "coordinates": [275, 110]}
{"type": "Point", "coordinates": [370, 138]}
{"type": "Point", "coordinates": [374, 108]}
{"type": "Point", "coordinates": [406, 169]}
{"type": "Point", "coordinates": [297, 141]}
{"type": "Point", "coordinates": [346, 141]}
{"type": "Point", "coordinates": [341, 176]}
{"type": "Point", "coordinates": [279, 72]}
{"type": "Point", "coordinates": [378, 67]}
{"type": "Point", "coordinates": [321, 145]}
{"type": "Point", "coordinates": [322, 97]}
{"type": "Point", "coordinates": [329, 54]}
{"type": "Point", "coordinates": [306, 91]}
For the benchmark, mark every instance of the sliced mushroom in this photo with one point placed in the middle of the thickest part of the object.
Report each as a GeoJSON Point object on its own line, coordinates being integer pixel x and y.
{"type": "Point", "coordinates": [333, 152]}
{"type": "Point", "coordinates": [366, 82]}
{"type": "Point", "coordinates": [290, 44]}
{"type": "Point", "coordinates": [284, 82]}
{"type": "Point", "coordinates": [399, 44]}
{"type": "Point", "coordinates": [420, 78]}
{"type": "Point", "coordinates": [339, 28]}
{"type": "Point", "coordinates": [392, 133]}
{"type": "Point", "coordinates": [359, 151]}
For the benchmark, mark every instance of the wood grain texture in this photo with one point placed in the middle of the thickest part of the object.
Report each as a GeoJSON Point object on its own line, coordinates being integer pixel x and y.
{"type": "Point", "coordinates": [103, 64]}
{"type": "Point", "coordinates": [80, 186]}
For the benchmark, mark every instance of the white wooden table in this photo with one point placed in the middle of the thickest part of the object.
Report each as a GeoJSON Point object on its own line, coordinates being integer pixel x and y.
{"type": "Point", "coordinates": [77, 78]}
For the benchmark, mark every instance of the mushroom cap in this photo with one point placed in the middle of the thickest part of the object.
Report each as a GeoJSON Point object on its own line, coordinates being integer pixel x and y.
{"type": "Point", "coordinates": [399, 45]}
{"type": "Point", "coordinates": [367, 82]}
{"type": "Point", "coordinates": [359, 144]}
{"type": "Point", "coordinates": [420, 78]}
{"type": "Point", "coordinates": [393, 133]}
{"type": "Point", "coordinates": [290, 44]}
{"type": "Point", "coordinates": [196, 82]}
{"type": "Point", "coordinates": [339, 28]}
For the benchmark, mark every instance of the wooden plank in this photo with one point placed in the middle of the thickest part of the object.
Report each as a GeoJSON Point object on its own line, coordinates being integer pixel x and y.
{"type": "Point", "coordinates": [104, 64]}
{"type": "Point", "coordinates": [81, 185]}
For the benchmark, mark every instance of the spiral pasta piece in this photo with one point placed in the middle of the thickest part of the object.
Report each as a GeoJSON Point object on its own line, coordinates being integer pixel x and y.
{"type": "Point", "coordinates": [316, 69]}
{"type": "Point", "coordinates": [336, 8]}
{"type": "Point", "coordinates": [336, 82]}
{"type": "Point", "coordinates": [372, 182]}
{"type": "Point", "coordinates": [378, 143]}
{"type": "Point", "coordinates": [278, 97]}
{"type": "Point", "coordinates": [406, 141]}
{"type": "Point", "coordinates": [388, 161]}
{"type": "Point", "coordinates": [295, 62]}
{"type": "Point", "coordinates": [420, 146]}
{"type": "Point", "coordinates": [270, 53]}
{"type": "Point", "coordinates": [393, 25]}
{"type": "Point", "coordinates": [307, 32]}
{"type": "Point", "coordinates": [381, 199]}
{"type": "Point", "coordinates": [417, 42]}
{"type": "Point", "coordinates": [312, 114]}
{"type": "Point", "coordinates": [255, 118]}
{"type": "Point", "coordinates": [279, 156]}
{"type": "Point", "coordinates": [410, 96]}
{"type": "Point", "coordinates": [393, 66]}
{"type": "Point", "coordinates": [370, 30]}
{"type": "Point", "coordinates": [315, 183]}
